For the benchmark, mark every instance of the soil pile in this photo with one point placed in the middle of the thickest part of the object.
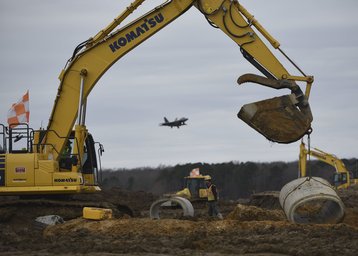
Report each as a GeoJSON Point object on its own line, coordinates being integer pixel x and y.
{"type": "Point", "coordinates": [253, 213]}
{"type": "Point", "coordinates": [185, 237]}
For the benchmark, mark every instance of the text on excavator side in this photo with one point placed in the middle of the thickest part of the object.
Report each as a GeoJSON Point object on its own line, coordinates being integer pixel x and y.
{"type": "Point", "coordinates": [137, 32]}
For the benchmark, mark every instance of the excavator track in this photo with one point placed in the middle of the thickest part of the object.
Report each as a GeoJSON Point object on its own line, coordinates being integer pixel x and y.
{"type": "Point", "coordinates": [13, 209]}
{"type": "Point", "coordinates": [123, 203]}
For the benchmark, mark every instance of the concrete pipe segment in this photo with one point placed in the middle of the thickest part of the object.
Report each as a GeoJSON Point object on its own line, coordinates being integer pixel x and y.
{"type": "Point", "coordinates": [311, 200]}
{"type": "Point", "coordinates": [184, 203]}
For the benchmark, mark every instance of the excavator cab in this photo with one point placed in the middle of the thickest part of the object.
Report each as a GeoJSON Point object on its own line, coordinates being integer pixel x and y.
{"type": "Point", "coordinates": [22, 177]}
{"type": "Point", "coordinates": [194, 188]}
{"type": "Point", "coordinates": [340, 180]}
{"type": "Point", "coordinates": [89, 163]}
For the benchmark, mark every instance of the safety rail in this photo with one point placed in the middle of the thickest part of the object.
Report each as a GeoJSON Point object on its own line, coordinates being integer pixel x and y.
{"type": "Point", "coordinates": [15, 132]}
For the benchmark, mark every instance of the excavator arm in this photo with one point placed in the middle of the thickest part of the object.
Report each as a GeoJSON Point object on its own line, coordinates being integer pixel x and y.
{"type": "Point", "coordinates": [283, 119]}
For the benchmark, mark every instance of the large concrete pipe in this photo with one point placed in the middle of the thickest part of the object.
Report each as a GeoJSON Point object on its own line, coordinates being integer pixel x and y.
{"type": "Point", "coordinates": [184, 203]}
{"type": "Point", "coordinates": [311, 200]}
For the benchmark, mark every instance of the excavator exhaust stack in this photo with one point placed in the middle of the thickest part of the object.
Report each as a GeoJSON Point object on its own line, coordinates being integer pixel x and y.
{"type": "Point", "coordinates": [283, 119]}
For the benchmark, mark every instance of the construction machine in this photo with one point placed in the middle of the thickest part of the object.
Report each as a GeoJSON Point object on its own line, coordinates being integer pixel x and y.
{"type": "Point", "coordinates": [46, 165]}
{"type": "Point", "coordinates": [342, 178]}
{"type": "Point", "coordinates": [194, 188]}
{"type": "Point", "coordinates": [193, 196]}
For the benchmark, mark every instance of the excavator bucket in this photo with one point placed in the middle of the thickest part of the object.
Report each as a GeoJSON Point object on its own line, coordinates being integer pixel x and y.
{"type": "Point", "coordinates": [278, 119]}
{"type": "Point", "coordinates": [283, 119]}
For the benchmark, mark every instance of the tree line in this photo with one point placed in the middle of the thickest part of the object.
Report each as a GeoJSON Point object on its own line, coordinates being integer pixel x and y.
{"type": "Point", "coordinates": [234, 180]}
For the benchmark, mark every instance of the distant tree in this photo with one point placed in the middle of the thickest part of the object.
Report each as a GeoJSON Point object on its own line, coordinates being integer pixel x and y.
{"type": "Point", "coordinates": [111, 181]}
{"type": "Point", "coordinates": [233, 179]}
{"type": "Point", "coordinates": [130, 183]}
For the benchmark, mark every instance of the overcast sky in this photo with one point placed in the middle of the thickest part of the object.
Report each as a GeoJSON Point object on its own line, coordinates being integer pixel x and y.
{"type": "Point", "coordinates": [189, 69]}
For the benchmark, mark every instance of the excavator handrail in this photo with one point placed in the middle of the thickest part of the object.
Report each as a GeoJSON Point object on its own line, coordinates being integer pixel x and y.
{"type": "Point", "coordinates": [3, 147]}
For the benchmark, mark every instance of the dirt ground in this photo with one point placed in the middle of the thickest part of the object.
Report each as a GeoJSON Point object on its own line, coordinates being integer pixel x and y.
{"type": "Point", "coordinates": [255, 228]}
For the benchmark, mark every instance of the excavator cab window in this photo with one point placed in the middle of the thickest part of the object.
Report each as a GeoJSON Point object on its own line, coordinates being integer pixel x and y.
{"type": "Point", "coordinates": [339, 179]}
{"type": "Point", "coordinates": [68, 159]}
{"type": "Point", "coordinates": [194, 185]}
{"type": "Point", "coordinates": [89, 157]}
{"type": "Point", "coordinates": [89, 160]}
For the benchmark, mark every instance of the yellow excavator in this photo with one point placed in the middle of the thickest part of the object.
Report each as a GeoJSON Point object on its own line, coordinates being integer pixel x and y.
{"type": "Point", "coordinates": [62, 158]}
{"type": "Point", "coordinates": [342, 178]}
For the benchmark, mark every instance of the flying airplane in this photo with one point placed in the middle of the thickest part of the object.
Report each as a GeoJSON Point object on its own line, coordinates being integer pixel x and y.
{"type": "Point", "coordinates": [177, 122]}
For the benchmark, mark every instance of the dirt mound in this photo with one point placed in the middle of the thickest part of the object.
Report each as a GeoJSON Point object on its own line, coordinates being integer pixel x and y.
{"type": "Point", "coordinates": [246, 230]}
{"type": "Point", "coordinates": [185, 237]}
{"type": "Point", "coordinates": [349, 196]}
{"type": "Point", "coordinates": [267, 200]}
{"type": "Point", "coordinates": [253, 213]}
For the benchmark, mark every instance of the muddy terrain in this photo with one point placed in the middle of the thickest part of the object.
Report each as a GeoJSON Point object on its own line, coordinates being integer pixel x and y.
{"type": "Point", "coordinates": [254, 228]}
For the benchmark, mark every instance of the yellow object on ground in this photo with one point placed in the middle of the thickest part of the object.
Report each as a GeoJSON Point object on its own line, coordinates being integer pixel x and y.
{"type": "Point", "coordinates": [96, 213]}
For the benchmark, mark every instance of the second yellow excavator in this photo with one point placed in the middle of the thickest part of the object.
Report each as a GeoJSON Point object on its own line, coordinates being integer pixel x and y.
{"type": "Point", "coordinates": [342, 178]}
